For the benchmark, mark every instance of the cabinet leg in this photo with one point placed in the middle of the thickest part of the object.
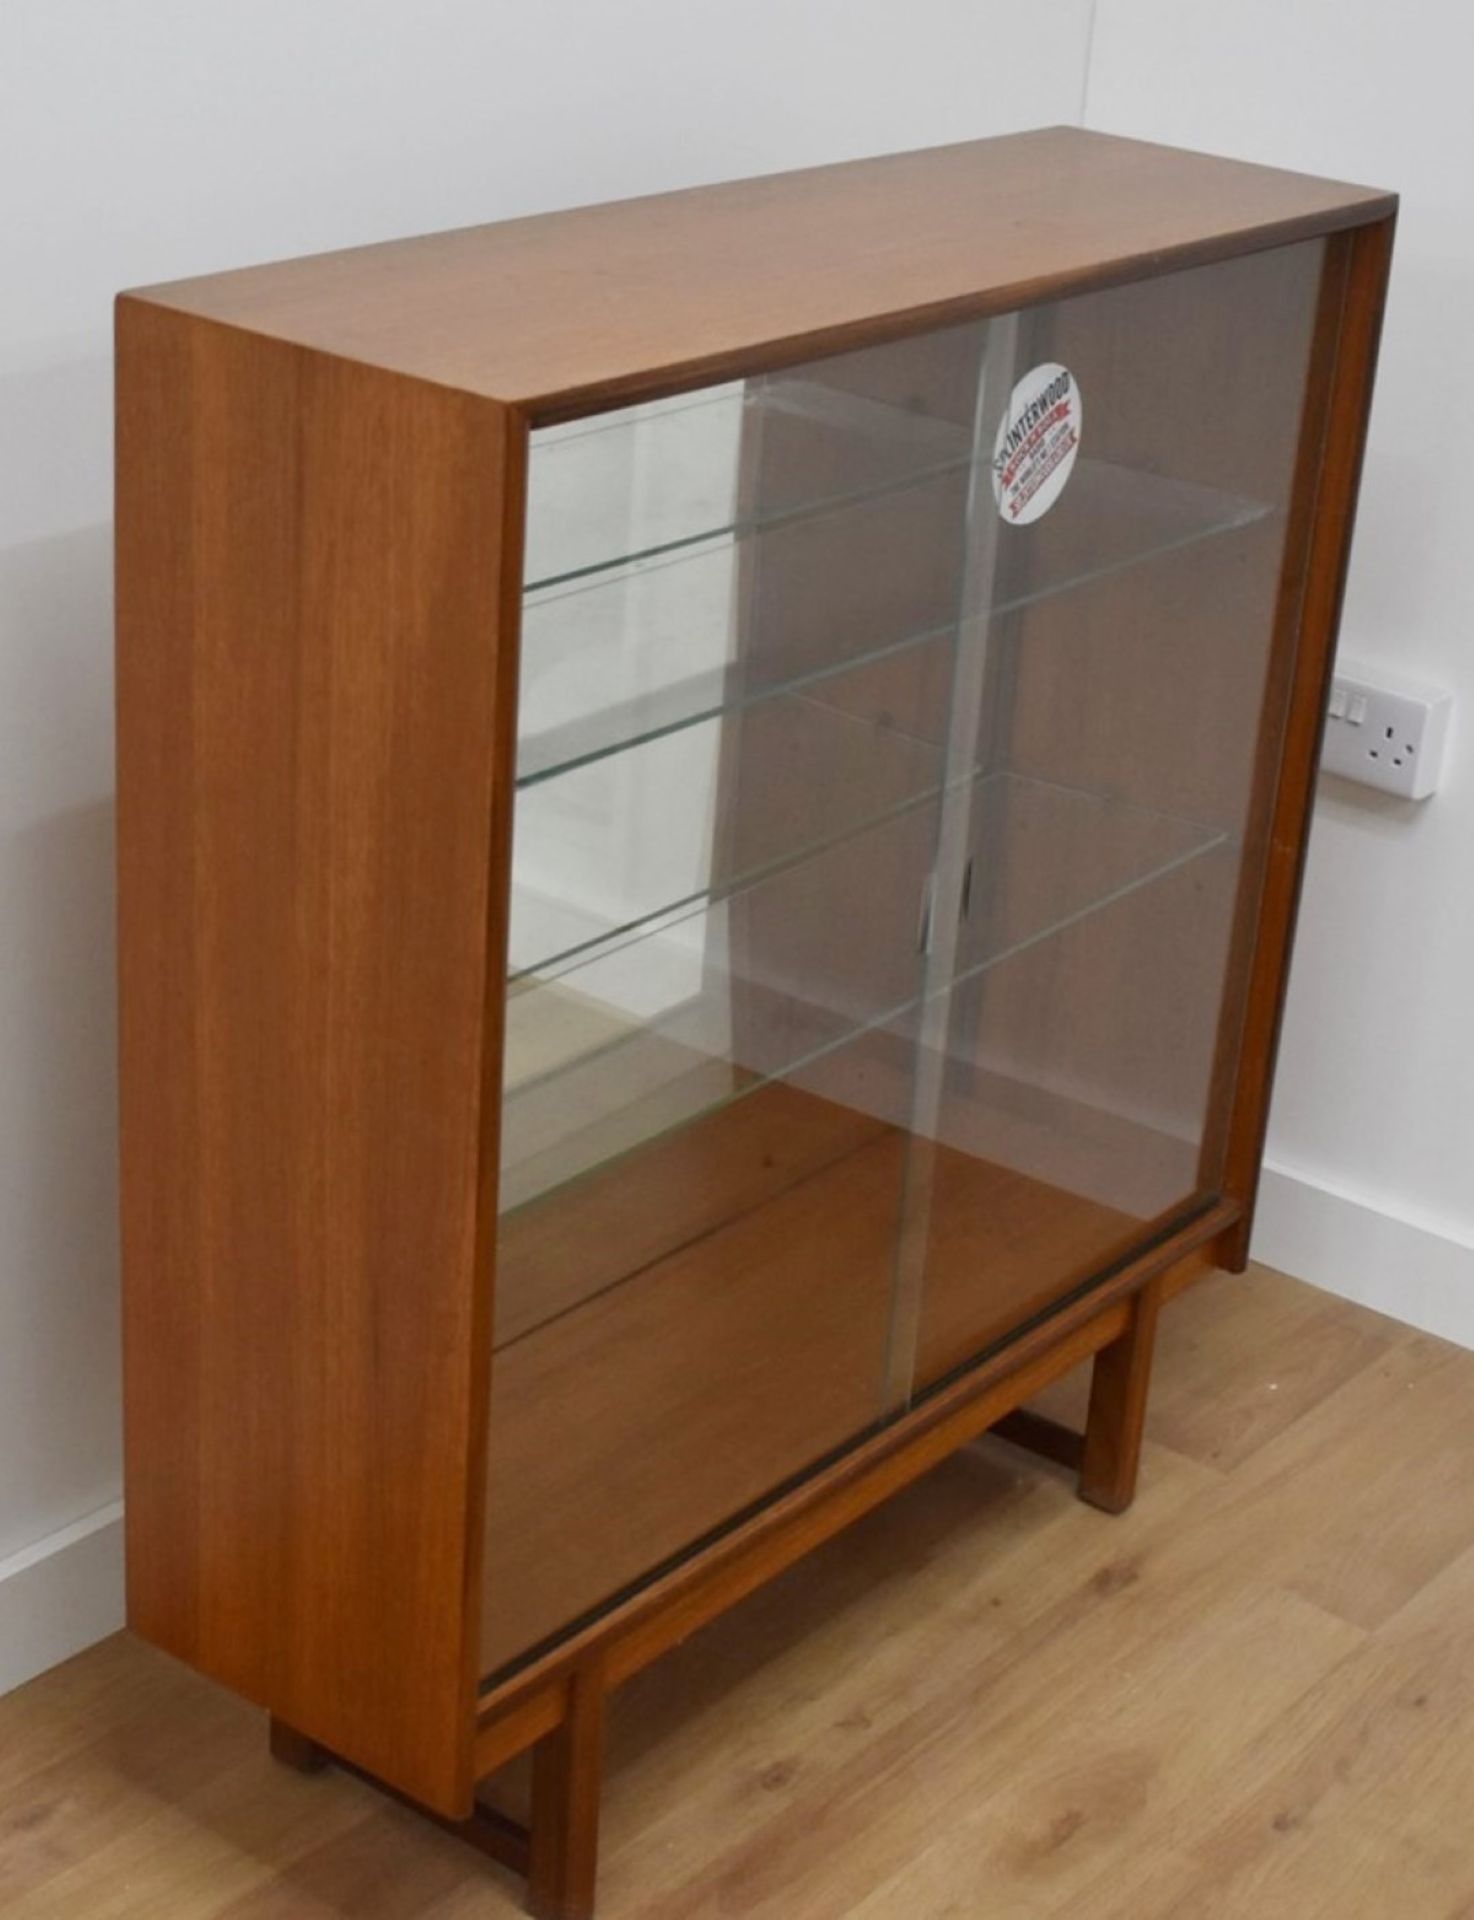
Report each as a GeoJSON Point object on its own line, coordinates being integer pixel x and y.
{"type": "Point", "coordinates": [567, 1771]}
{"type": "Point", "coordinates": [1118, 1390]}
{"type": "Point", "coordinates": [294, 1749]}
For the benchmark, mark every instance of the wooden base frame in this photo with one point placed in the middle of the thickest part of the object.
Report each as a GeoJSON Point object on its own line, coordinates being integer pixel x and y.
{"type": "Point", "coordinates": [488, 1830]}
{"type": "Point", "coordinates": [555, 1707]}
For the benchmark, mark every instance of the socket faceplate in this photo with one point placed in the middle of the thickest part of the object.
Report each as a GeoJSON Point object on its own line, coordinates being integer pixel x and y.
{"type": "Point", "coordinates": [1386, 731]}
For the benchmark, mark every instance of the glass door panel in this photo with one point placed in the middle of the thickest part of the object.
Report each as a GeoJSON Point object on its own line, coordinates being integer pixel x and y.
{"type": "Point", "coordinates": [737, 657]}
{"type": "Point", "coordinates": [883, 816]}
{"type": "Point", "coordinates": [1080, 1070]}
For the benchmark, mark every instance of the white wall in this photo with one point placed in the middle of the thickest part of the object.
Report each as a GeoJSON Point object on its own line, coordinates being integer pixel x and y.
{"type": "Point", "coordinates": [146, 139]}
{"type": "Point", "coordinates": [1371, 1183]}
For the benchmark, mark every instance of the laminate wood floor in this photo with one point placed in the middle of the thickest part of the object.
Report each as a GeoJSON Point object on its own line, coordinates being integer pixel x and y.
{"type": "Point", "coordinates": [1253, 1695]}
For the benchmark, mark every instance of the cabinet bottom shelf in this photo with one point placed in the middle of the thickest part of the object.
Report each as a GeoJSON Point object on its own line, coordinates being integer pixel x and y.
{"type": "Point", "coordinates": [640, 1419]}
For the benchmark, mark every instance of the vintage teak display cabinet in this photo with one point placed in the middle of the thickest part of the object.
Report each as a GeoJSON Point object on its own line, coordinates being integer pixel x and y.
{"type": "Point", "coordinates": [711, 798]}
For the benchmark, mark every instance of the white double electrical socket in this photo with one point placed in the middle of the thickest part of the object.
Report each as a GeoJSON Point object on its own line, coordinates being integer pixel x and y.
{"type": "Point", "coordinates": [1385, 731]}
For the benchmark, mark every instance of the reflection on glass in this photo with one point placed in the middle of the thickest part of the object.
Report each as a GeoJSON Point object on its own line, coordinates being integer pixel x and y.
{"type": "Point", "coordinates": [875, 872]}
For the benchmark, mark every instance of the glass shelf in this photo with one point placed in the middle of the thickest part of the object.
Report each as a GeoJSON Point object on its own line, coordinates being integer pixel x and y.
{"type": "Point", "coordinates": [834, 744]}
{"type": "Point", "coordinates": [614, 662]}
{"type": "Point", "coordinates": [607, 1077]}
{"type": "Point", "coordinates": [829, 774]}
{"type": "Point", "coordinates": [680, 462]}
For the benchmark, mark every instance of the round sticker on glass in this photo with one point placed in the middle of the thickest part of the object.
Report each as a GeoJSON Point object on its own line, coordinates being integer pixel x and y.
{"type": "Point", "coordinates": [1038, 439]}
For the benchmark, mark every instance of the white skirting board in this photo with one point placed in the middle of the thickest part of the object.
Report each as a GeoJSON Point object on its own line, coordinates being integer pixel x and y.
{"type": "Point", "coordinates": [1417, 1270]}
{"type": "Point", "coordinates": [61, 1595]}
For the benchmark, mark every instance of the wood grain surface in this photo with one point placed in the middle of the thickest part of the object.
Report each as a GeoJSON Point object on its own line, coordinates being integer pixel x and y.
{"type": "Point", "coordinates": [1251, 1696]}
{"type": "Point", "coordinates": [311, 704]}
{"type": "Point", "coordinates": [1363, 263]}
{"type": "Point", "coordinates": [562, 312]}
{"type": "Point", "coordinates": [631, 1425]}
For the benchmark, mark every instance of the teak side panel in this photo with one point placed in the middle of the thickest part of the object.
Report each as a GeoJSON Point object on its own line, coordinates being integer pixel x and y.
{"type": "Point", "coordinates": [696, 285]}
{"type": "Point", "coordinates": [1339, 403]}
{"type": "Point", "coordinates": [1274, 715]}
{"type": "Point", "coordinates": [311, 698]}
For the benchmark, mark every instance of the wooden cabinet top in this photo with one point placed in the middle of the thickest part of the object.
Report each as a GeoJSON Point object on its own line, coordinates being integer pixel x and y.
{"type": "Point", "coordinates": [564, 313]}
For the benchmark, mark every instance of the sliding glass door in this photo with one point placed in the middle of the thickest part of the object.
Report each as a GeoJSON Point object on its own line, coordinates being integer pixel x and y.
{"type": "Point", "coordinates": [882, 820]}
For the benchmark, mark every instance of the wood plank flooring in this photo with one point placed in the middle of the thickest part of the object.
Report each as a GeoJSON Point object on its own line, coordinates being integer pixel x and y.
{"type": "Point", "coordinates": [1250, 1698]}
